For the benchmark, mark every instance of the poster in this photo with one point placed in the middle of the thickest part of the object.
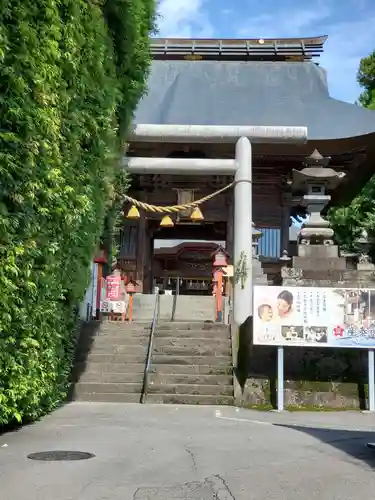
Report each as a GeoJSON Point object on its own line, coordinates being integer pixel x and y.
{"type": "Point", "coordinates": [113, 297]}
{"type": "Point", "coordinates": [320, 317]}
{"type": "Point", "coordinates": [113, 288]}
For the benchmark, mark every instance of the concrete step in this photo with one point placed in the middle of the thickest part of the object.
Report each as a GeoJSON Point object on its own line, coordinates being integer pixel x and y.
{"type": "Point", "coordinates": [137, 350]}
{"type": "Point", "coordinates": [157, 379]}
{"type": "Point", "coordinates": [191, 360]}
{"type": "Point", "coordinates": [198, 350]}
{"type": "Point", "coordinates": [203, 333]}
{"type": "Point", "coordinates": [105, 388]}
{"type": "Point", "coordinates": [124, 359]}
{"type": "Point", "coordinates": [191, 325]}
{"type": "Point", "coordinates": [111, 378]}
{"type": "Point", "coordinates": [100, 342]}
{"type": "Point", "coordinates": [190, 399]}
{"type": "Point", "coordinates": [118, 335]}
{"type": "Point", "coordinates": [210, 342]}
{"type": "Point", "coordinates": [192, 389]}
{"type": "Point", "coordinates": [183, 370]}
{"type": "Point", "coordinates": [108, 398]}
{"type": "Point", "coordinates": [125, 331]}
{"type": "Point", "coordinates": [95, 326]}
{"type": "Point", "coordinates": [103, 367]}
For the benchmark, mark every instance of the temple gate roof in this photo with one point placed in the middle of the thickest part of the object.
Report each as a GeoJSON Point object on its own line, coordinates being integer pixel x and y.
{"type": "Point", "coordinates": [273, 83]}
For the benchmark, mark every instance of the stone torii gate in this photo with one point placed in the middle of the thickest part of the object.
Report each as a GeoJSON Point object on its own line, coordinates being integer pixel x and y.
{"type": "Point", "coordinates": [240, 167]}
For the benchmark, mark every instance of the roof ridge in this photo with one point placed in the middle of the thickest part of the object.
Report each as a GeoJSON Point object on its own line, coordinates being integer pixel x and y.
{"type": "Point", "coordinates": [237, 49]}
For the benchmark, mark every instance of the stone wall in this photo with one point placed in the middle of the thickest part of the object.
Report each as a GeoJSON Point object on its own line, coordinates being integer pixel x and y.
{"type": "Point", "coordinates": [320, 378]}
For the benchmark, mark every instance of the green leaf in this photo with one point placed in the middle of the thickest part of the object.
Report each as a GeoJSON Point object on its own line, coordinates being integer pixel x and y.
{"type": "Point", "coordinates": [72, 73]}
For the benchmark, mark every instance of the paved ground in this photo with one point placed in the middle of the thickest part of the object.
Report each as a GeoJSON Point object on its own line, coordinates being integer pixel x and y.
{"type": "Point", "coordinates": [191, 453]}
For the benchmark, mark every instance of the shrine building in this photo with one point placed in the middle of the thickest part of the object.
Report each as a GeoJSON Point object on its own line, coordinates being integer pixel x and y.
{"type": "Point", "coordinates": [235, 83]}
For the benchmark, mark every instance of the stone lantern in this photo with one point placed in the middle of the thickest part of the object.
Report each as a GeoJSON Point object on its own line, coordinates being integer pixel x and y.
{"type": "Point", "coordinates": [363, 244]}
{"type": "Point", "coordinates": [314, 182]}
{"type": "Point", "coordinates": [256, 237]}
{"type": "Point", "coordinates": [317, 255]}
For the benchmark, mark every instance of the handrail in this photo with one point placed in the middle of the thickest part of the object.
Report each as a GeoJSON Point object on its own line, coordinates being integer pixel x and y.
{"type": "Point", "coordinates": [150, 347]}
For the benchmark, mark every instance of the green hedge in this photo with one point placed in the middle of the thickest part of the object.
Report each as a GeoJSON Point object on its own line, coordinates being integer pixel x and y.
{"type": "Point", "coordinates": [71, 73]}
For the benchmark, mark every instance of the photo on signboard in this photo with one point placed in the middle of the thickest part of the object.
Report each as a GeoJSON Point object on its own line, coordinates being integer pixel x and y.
{"type": "Point", "coordinates": [370, 309]}
{"type": "Point", "coordinates": [265, 313]}
{"type": "Point", "coordinates": [316, 334]}
{"type": "Point", "coordinates": [285, 304]}
{"type": "Point", "coordinates": [355, 305]}
{"type": "Point", "coordinates": [292, 333]}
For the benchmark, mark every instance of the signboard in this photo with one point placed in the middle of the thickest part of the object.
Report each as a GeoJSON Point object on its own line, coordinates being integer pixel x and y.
{"type": "Point", "coordinates": [320, 317]}
{"type": "Point", "coordinates": [118, 307]}
{"type": "Point", "coordinates": [113, 297]}
{"type": "Point", "coordinates": [113, 288]}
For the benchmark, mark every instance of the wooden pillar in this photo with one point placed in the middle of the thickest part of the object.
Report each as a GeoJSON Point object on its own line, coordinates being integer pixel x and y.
{"type": "Point", "coordinates": [286, 204]}
{"type": "Point", "coordinates": [148, 260]}
{"type": "Point", "coordinates": [141, 250]}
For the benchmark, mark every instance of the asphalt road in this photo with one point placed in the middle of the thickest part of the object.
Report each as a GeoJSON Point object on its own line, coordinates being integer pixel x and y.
{"type": "Point", "coordinates": [196, 453]}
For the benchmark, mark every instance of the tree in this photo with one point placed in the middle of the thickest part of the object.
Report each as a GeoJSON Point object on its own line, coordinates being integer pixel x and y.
{"type": "Point", "coordinates": [348, 221]}
{"type": "Point", "coordinates": [366, 79]}
{"type": "Point", "coordinates": [71, 74]}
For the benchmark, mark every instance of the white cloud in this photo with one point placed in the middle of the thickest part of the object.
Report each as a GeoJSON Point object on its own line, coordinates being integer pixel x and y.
{"type": "Point", "coordinates": [184, 19]}
{"type": "Point", "coordinates": [282, 23]}
{"type": "Point", "coordinates": [348, 41]}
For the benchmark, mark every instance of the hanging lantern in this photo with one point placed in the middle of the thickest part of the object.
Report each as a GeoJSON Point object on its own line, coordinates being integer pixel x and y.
{"type": "Point", "coordinates": [133, 213]}
{"type": "Point", "coordinates": [166, 222]}
{"type": "Point", "coordinates": [196, 214]}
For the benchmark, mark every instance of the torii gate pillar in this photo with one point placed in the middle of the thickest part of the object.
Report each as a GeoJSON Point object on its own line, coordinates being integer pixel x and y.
{"type": "Point", "coordinates": [242, 238]}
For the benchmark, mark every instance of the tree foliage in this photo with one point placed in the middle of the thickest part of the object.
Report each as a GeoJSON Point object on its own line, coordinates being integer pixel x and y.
{"type": "Point", "coordinates": [366, 79]}
{"type": "Point", "coordinates": [348, 221]}
{"type": "Point", "coordinates": [71, 73]}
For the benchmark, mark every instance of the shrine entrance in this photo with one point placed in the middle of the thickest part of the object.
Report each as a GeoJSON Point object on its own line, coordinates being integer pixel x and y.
{"type": "Point", "coordinates": [183, 256]}
{"type": "Point", "coordinates": [184, 267]}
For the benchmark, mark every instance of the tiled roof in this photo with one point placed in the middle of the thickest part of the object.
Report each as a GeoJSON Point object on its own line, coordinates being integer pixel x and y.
{"type": "Point", "coordinates": [249, 93]}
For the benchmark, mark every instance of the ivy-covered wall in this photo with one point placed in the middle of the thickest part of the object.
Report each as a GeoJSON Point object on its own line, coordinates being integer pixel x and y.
{"type": "Point", "coordinates": [71, 74]}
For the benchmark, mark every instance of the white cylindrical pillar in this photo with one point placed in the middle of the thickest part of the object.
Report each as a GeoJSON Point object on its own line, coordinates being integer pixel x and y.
{"type": "Point", "coordinates": [242, 254]}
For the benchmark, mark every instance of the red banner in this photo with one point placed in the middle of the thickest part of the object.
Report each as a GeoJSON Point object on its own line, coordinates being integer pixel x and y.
{"type": "Point", "coordinates": [113, 288]}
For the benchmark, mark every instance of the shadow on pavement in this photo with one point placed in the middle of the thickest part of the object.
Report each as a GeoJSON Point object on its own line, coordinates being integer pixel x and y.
{"type": "Point", "coordinates": [353, 443]}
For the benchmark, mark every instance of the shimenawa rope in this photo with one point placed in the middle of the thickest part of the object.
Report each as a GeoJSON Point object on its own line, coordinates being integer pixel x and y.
{"type": "Point", "coordinates": [175, 208]}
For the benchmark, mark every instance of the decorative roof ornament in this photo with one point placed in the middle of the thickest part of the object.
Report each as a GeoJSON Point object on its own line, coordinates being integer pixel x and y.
{"type": "Point", "coordinates": [316, 160]}
{"type": "Point", "coordinates": [285, 257]}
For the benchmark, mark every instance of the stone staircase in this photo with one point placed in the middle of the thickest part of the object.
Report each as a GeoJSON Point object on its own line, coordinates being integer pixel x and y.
{"type": "Point", "coordinates": [174, 308]}
{"type": "Point", "coordinates": [191, 363]}
{"type": "Point", "coordinates": [110, 362]}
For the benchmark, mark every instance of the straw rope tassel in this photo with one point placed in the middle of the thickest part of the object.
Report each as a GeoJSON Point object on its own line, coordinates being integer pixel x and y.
{"type": "Point", "coordinates": [174, 208]}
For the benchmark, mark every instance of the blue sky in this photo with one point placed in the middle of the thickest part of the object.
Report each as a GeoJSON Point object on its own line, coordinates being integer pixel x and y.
{"type": "Point", "coordinates": [349, 24]}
